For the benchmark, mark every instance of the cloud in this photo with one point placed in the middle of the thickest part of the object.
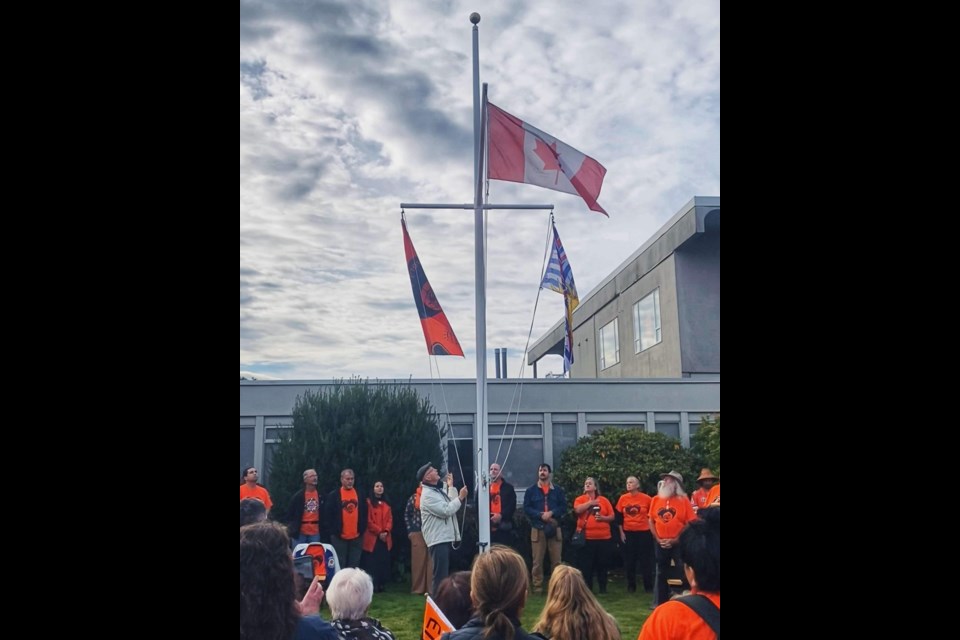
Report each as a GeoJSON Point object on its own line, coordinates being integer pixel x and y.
{"type": "Point", "coordinates": [349, 108]}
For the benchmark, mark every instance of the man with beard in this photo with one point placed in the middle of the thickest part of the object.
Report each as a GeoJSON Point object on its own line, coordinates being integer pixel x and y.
{"type": "Point", "coordinates": [503, 504]}
{"type": "Point", "coordinates": [706, 482]}
{"type": "Point", "coordinates": [346, 517]}
{"type": "Point", "coordinates": [544, 504]}
{"type": "Point", "coordinates": [670, 511]}
{"type": "Point", "coordinates": [303, 512]}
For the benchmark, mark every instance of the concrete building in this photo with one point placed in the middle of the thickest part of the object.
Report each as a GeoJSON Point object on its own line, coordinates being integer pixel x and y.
{"type": "Point", "coordinates": [658, 314]}
{"type": "Point", "coordinates": [541, 417]}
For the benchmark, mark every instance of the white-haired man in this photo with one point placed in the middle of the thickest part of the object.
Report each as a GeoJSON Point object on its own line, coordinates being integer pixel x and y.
{"type": "Point", "coordinates": [349, 596]}
{"type": "Point", "coordinates": [670, 511]}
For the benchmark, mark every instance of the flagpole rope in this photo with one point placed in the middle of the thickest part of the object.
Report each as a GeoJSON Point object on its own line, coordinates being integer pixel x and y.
{"type": "Point", "coordinates": [546, 257]}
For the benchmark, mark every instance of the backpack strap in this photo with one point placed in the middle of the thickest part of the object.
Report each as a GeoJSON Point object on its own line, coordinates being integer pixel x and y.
{"type": "Point", "coordinates": [704, 608]}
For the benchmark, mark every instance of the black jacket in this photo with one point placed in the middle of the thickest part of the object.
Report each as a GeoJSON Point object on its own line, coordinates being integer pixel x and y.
{"type": "Point", "coordinates": [508, 503]}
{"type": "Point", "coordinates": [332, 519]}
{"type": "Point", "coordinates": [473, 630]}
{"type": "Point", "coordinates": [294, 515]}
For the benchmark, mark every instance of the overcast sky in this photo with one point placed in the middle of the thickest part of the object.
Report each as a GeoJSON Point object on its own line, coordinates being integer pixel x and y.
{"type": "Point", "coordinates": [349, 108]}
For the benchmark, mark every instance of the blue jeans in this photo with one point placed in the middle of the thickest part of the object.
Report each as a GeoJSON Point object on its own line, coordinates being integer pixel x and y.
{"type": "Point", "coordinates": [304, 538]}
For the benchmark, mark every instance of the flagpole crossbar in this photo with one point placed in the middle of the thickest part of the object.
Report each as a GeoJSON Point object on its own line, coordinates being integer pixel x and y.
{"type": "Point", "coordinates": [418, 205]}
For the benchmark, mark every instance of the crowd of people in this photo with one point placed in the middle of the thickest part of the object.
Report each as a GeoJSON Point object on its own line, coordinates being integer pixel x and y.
{"type": "Point", "coordinates": [669, 535]}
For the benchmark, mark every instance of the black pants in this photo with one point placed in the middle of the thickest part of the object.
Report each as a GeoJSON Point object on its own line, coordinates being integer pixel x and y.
{"type": "Point", "coordinates": [639, 546]}
{"type": "Point", "coordinates": [377, 564]}
{"type": "Point", "coordinates": [665, 571]}
{"type": "Point", "coordinates": [440, 554]}
{"type": "Point", "coordinates": [595, 558]}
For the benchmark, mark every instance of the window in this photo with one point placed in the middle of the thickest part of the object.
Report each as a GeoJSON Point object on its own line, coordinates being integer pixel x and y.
{"type": "Point", "coordinates": [564, 437]}
{"type": "Point", "coordinates": [593, 427]}
{"type": "Point", "coordinates": [646, 322]}
{"type": "Point", "coordinates": [609, 345]}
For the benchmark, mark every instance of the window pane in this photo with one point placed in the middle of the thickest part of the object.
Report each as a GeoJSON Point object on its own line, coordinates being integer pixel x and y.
{"type": "Point", "coordinates": [646, 322]}
{"type": "Point", "coordinates": [246, 448]}
{"type": "Point", "coordinates": [463, 449]}
{"type": "Point", "coordinates": [521, 429]}
{"type": "Point", "coordinates": [520, 466]}
{"type": "Point", "coordinates": [671, 429]}
{"type": "Point", "coordinates": [596, 426]}
{"type": "Point", "coordinates": [609, 345]}
{"type": "Point", "coordinates": [564, 437]}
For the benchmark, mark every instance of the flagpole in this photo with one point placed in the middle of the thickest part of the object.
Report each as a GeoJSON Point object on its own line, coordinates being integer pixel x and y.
{"type": "Point", "coordinates": [480, 423]}
{"type": "Point", "coordinates": [480, 431]}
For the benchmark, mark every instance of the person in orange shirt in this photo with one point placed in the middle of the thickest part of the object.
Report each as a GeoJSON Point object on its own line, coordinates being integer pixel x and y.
{"type": "Point", "coordinates": [706, 480]}
{"type": "Point", "coordinates": [251, 489]}
{"type": "Point", "coordinates": [681, 619]}
{"type": "Point", "coordinates": [378, 538]}
{"type": "Point", "coordinates": [594, 515]}
{"type": "Point", "coordinates": [670, 511]}
{"type": "Point", "coordinates": [503, 504]}
{"type": "Point", "coordinates": [345, 514]}
{"type": "Point", "coordinates": [713, 498]}
{"type": "Point", "coordinates": [303, 513]}
{"type": "Point", "coordinates": [633, 518]}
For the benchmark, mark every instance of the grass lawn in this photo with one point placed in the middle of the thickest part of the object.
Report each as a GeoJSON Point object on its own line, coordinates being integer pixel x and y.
{"type": "Point", "coordinates": [402, 612]}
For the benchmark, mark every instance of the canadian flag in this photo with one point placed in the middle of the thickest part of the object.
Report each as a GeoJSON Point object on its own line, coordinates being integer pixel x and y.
{"type": "Point", "coordinates": [519, 152]}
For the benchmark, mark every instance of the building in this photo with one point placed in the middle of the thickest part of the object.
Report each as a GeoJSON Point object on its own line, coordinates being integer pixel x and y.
{"type": "Point", "coordinates": [658, 314]}
{"type": "Point", "coordinates": [530, 421]}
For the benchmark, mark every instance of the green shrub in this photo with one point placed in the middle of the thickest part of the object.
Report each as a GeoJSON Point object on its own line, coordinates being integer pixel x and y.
{"type": "Point", "coordinates": [610, 455]}
{"type": "Point", "coordinates": [705, 444]}
{"type": "Point", "coordinates": [382, 431]}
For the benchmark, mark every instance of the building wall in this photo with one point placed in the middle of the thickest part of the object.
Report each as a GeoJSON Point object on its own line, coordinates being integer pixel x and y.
{"type": "Point", "coordinates": [698, 304]}
{"type": "Point", "coordinates": [542, 417]}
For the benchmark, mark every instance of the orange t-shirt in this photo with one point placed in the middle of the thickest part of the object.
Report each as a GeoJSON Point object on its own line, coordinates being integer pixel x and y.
{"type": "Point", "coordinates": [310, 522]}
{"type": "Point", "coordinates": [699, 498]}
{"type": "Point", "coordinates": [595, 529]}
{"type": "Point", "coordinates": [713, 498]}
{"type": "Point", "coordinates": [257, 492]}
{"type": "Point", "coordinates": [677, 620]}
{"type": "Point", "coordinates": [350, 504]}
{"type": "Point", "coordinates": [670, 515]}
{"type": "Point", "coordinates": [495, 496]}
{"type": "Point", "coordinates": [635, 510]}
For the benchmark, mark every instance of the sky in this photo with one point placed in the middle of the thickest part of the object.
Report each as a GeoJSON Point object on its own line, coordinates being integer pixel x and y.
{"type": "Point", "coordinates": [349, 108]}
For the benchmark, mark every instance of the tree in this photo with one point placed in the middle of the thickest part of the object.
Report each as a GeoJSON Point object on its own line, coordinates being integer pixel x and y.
{"type": "Point", "coordinates": [705, 444]}
{"type": "Point", "coordinates": [382, 431]}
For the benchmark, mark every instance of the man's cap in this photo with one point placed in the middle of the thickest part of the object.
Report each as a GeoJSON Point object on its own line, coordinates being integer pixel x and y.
{"type": "Point", "coordinates": [422, 471]}
{"type": "Point", "coordinates": [706, 474]}
{"type": "Point", "coordinates": [673, 474]}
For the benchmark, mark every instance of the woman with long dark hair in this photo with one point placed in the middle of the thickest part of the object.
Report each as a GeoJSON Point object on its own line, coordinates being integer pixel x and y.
{"type": "Point", "coordinates": [268, 607]}
{"type": "Point", "coordinates": [378, 538]}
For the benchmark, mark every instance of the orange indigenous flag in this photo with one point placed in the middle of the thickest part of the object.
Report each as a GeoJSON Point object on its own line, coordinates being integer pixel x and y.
{"type": "Point", "coordinates": [436, 329]}
{"type": "Point", "coordinates": [435, 623]}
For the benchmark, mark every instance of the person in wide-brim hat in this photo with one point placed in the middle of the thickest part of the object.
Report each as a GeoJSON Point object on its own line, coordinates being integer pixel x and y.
{"type": "Point", "coordinates": [706, 474]}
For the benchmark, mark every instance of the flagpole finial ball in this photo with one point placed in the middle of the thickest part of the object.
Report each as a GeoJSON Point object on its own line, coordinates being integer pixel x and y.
{"type": "Point", "coordinates": [475, 18]}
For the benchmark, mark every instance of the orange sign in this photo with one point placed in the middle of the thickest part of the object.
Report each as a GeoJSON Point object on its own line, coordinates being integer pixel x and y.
{"type": "Point", "coordinates": [434, 622]}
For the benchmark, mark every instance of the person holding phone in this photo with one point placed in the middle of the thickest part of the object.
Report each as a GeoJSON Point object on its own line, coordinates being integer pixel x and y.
{"type": "Point", "coordinates": [594, 515]}
{"type": "Point", "coordinates": [268, 606]}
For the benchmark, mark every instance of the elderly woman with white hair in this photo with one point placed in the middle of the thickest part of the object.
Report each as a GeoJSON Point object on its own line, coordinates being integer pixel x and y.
{"type": "Point", "coordinates": [349, 596]}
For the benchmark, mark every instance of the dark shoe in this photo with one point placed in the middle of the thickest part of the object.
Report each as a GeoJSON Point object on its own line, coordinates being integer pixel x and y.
{"type": "Point", "coordinates": [603, 590]}
{"type": "Point", "coordinates": [631, 588]}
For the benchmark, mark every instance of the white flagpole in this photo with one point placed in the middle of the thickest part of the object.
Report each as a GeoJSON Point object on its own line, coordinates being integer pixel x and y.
{"type": "Point", "coordinates": [480, 437]}
{"type": "Point", "coordinates": [480, 432]}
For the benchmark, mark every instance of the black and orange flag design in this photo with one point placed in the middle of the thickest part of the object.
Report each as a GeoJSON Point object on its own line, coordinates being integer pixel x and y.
{"type": "Point", "coordinates": [440, 338]}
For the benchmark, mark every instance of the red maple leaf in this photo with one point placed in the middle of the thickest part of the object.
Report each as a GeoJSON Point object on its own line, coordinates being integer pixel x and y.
{"type": "Point", "coordinates": [548, 153]}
